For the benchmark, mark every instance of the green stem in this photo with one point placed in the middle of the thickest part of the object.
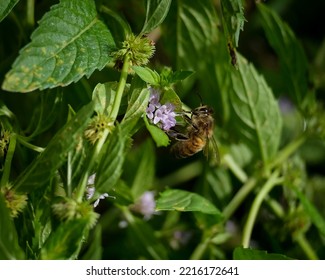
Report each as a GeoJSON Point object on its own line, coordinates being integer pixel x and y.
{"type": "Point", "coordinates": [248, 228]}
{"type": "Point", "coordinates": [235, 168]}
{"type": "Point", "coordinates": [239, 198]}
{"type": "Point", "coordinates": [8, 160]}
{"type": "Point", "coordinates": [30, 12]}
{"type": "Point", "coordinates": [120, 87]}
{"type": "Point", "coordinates": [304, 244]}
{"type": "Point", "coordinates": [92, 161]}
{"type": "Point", "coordinates": [22, 141]}
{"type": "Point", "coordinates": [200, 249]}
{"type": "Point", "coordinates": [287, 152]}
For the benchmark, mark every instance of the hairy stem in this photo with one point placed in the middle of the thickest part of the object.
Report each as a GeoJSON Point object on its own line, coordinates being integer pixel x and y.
{"type": "Point", "coordinates": [9, 156]}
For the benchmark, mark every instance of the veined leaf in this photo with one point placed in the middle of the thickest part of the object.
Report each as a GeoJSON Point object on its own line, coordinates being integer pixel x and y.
{"type": "Point", "coordinates": [250, 254]}
{"type": "Point", "coordinates": [256, 117]}
{"type": "Point", "coordinates": [103, 96]}
{"type": "Point", "coordinates": [9, 248]}
{"type": "Point", "coordinates": [147, 75]}
{"type": "Point", "coordinates": [136, 108]}
{"type": "Point", "coordinates": [69, 43]}
{"type": "Point", "coordinates": [5, 7]}
{"type": "Point", "coordinates": [184, 201]}
{"type": "Point", "coordinates": [196, 33]}
{"type": "Point", "coordinates": [110, 166]}
{"type": "Point", "coordinates": [42, 168]}
{"type": "Point", "coordinates": [155, 15]}
{"type": "Point", "coordinates": [233, 19]}
{"type": "Point", "coordinates": [292, 58]}
{"type": "Point", "coordinates": [65, 242]}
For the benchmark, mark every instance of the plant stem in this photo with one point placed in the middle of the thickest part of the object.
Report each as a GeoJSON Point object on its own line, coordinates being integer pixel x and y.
{"type": "Point", "coordinates": [9, 156]}
{"type": "Point", "coordinates": [30, 12]}
{"type": "Point", "coordinates": [235, 168]}
{"type": "Point", "coordinates": [92, 161]}
{"type": "Point", "coordinates": [22, 141]}
{"type": "Point", "coordinates": [120, 87]}
{"type": "Point", "coordinates": [239, 197]}
{"type": "Point", "coordinates": [272, 181]}
{"type": "Point", "coordinates": [200, 249]}
{"type": "Point", "coordinates": [304, 244]}
{"type": "Point", "coordinates": [287, 152]}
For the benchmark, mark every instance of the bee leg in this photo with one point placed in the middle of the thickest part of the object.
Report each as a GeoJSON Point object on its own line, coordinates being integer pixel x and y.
{"type": "Point", "coordinates": [177, 135]}
{"type": "Point", "coordinates": [189, 121]}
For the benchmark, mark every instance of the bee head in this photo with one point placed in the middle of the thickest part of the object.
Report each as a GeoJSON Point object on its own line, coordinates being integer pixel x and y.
{"type": "Point", "coordinates": [203, 110]}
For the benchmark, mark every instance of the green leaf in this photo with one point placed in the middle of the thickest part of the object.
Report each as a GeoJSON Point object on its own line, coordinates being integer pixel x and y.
{"type": "Point", "coordinates": [250, 254]}
{"type": "Point", "coordinates": [6, 6]}
{"type": "Point", "coordinates": [312, 212]}
{"type": "Point", "coordinates": [159, 136]}
{"type": "Point", "coordinates": [145, 169]}
{"type": "Point", "coordinates": [103, 97]}
{"type": "Point", "coordinates": [233, 19]}
{"type": "Point", "coordinates": [170, 96]}
{"type": "Point", "coordinates": [9, 247]}
{"type": "Point", "coordinates": [147, 75]}
{"type": "Point", "coordinates": [184, 201]}
{"type": "Point", "coordinates": [144, 239]}
{"type": "Point", "coordinates": [69, 43]}
{"type": "Point", "coordinates": [64, 243]}
{"type": "Point", "coordinates": [110, 167]}
{"type": "Point", "coordinates": [43, 167]}
{"type": "Point", "coordinates": [255, 118]}
{"type": "Point", "coordinates": [293, 61]}
{"type": "Point", "coordinates": [95, 249]}
{"type": "Point", "coordinates": [196, 33]}
{"type": "Point", "coordinates": [156, 12]}
{"type": "Point", "coordinates": [136, 108]}
{"type": "Point", "coordinates": [122, 193]}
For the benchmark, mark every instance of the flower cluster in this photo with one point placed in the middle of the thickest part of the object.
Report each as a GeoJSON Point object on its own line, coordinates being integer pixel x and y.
{"type": "Point", "coordinates": [161, 115]}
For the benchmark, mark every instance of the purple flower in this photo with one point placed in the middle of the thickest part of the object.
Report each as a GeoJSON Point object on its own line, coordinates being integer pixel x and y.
{"type": "Point", "coordinates": [146, 205]}
{"type": "Point", "coordinates": [161, 115]}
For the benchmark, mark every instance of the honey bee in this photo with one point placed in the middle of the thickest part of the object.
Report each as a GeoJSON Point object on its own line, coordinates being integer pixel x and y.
{"type": "Point", "coordinates": [198, 134]}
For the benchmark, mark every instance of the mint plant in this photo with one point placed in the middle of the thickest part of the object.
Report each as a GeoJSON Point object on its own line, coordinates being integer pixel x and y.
{"type": "Point", "coordinates": [91, 91]}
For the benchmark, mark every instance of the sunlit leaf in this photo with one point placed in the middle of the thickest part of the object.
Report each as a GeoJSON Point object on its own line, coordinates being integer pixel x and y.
{"type": "Point", "coordinates": [256, 117]}
{"type": "Point", "coordinates": [70, 42]}
{"type": "Point", "coordinates": [146, 74]}
{"type": "Point", "coordinates": [103, 96]}
{"type": "Point", "coordinates": [155, 15]}
{"type": "Point", "coordinates": [136, 109]}
{"type": "Point", "coordinates": [184, 201]}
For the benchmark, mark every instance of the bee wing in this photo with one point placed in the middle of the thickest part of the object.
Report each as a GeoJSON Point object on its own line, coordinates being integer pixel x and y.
{"type": "Point", "coordinates": [211, 150]}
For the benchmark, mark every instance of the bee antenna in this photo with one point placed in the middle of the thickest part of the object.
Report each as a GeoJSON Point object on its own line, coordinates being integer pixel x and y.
{"type": "Point", "coordinates": [201, 100]}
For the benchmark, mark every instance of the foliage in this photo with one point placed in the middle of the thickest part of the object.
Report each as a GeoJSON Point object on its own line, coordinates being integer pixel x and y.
{"type": "Point", "coordinates": [86, 167]}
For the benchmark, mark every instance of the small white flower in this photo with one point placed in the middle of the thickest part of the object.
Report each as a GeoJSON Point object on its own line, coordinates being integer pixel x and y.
{"type": "Point", "coordinates": [91, 190]}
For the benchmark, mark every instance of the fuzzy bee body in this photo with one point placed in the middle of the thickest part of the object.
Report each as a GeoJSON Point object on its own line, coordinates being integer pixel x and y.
{"type": "Point", "coordinates": [198, 134]}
